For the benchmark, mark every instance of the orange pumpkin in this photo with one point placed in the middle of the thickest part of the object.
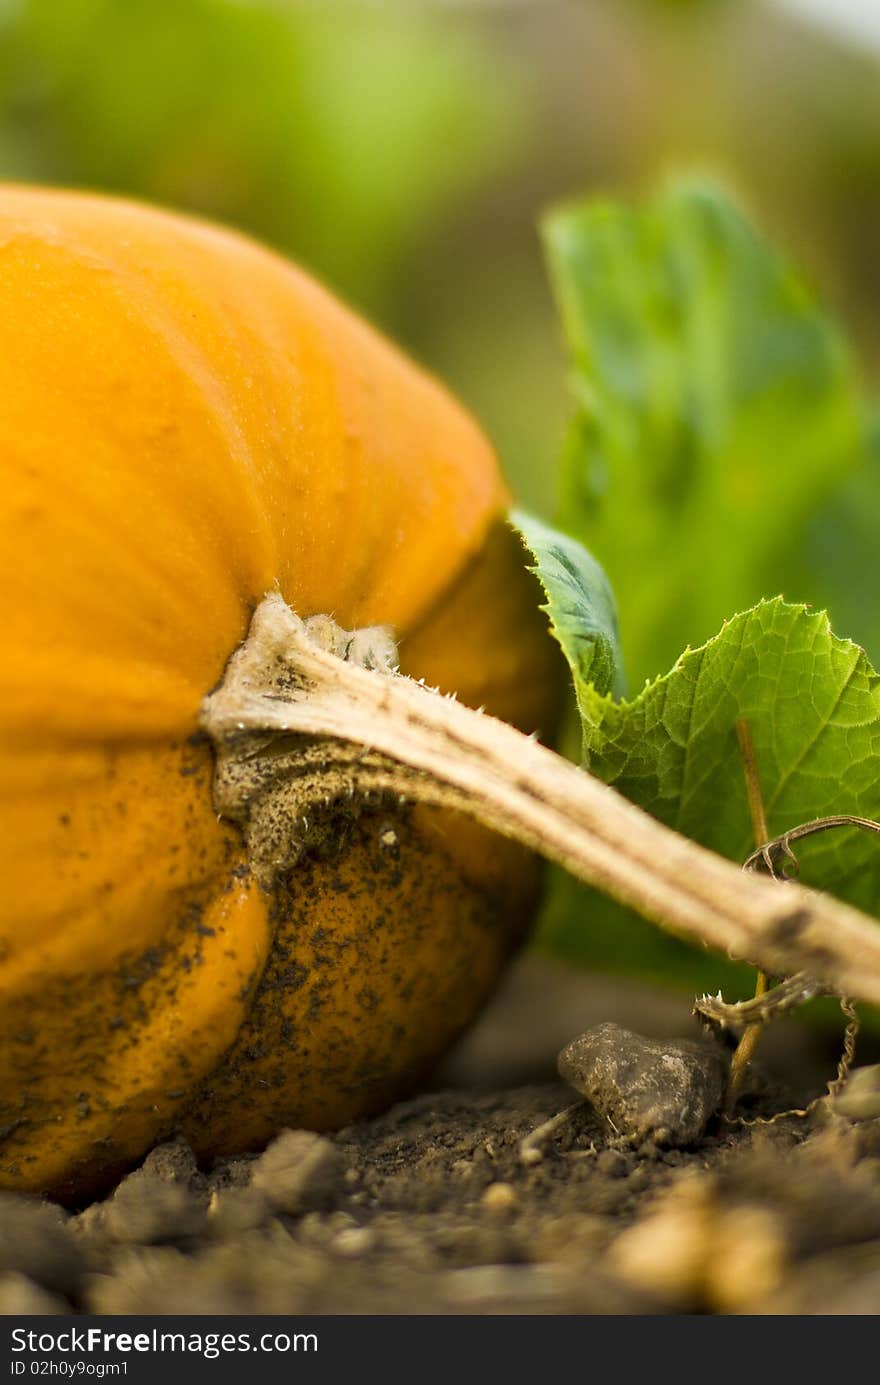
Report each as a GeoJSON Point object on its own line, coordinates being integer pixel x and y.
{"type": "Point", "coordinates": [187, 422]}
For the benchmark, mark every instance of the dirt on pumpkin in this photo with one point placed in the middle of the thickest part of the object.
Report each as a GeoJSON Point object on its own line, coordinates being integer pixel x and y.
{"type": "Point", "coordinates": [465, 1199]}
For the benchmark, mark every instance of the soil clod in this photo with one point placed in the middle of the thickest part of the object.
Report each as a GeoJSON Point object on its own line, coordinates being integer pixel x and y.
{"type": "Point", "coordinates": [299, 1172]}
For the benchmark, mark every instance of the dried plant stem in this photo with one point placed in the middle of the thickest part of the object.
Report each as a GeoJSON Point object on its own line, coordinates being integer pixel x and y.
{"type": "Point", "coordinates": [295, 725]}
{"type": "Point", "coordinates": [776, 855]}
{"type": "Point", "coordinates": [745, 1049]}
{"type": "Point", "coordinates": [739, 1015]}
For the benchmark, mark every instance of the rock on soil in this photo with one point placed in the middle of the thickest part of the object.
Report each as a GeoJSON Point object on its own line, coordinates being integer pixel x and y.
{"type": "Point", "coordinates": [664, 1091]}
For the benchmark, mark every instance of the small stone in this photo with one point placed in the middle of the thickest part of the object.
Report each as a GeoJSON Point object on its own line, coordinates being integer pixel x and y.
{"type": "Point", "coordinates": [665, 1252]}
{"type": "Point", "coordinates": [354, 1242]}
{"type": "Point", "coordinates": [499, 1198]}
{"type": "Point", "coordinates": [173, 1162]}
{"type": "Point", "coordinates": [660, 1091]}
{"type": "Point", "coordinates": [299, 1172]}
{"type": "Point", "coordinates": [613, 1164]}
{"type": "Point", "coordinates": [35, 1241]}
{"type": "Point", "coordinates": [859, 1099]}
{"type": "Point", "coordinates": [530, 1154]}
{"type": "Point", "coordinates": [234, 1210]}
{"type": "Point", "coordinates": [748, 1261]}
{"type": "Point", "coordinates": [231, 1173]}
{"type": "Point", "coordinates": [146, 1210]}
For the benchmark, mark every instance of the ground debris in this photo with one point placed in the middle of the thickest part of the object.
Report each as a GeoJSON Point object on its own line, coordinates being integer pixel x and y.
{"type": "Point", "coordinates": [747, 1220]}
{"type": "Point", "coordinates": [429, 1208]}
{"type": "Point", "coordinates": [697, 1254]}
{"type": "Point", "coordinates": [36, 1243]}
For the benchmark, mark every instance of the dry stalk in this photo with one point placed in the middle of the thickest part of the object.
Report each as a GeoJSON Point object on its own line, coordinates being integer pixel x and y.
{"type": "Point", "coordinates": [745, 1049]}
{"type": "Point", "coordinates": [309, 715]}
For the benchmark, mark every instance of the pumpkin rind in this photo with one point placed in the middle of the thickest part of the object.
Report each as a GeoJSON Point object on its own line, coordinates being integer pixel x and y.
{"type": "Point", "coordinates": [187, 422]}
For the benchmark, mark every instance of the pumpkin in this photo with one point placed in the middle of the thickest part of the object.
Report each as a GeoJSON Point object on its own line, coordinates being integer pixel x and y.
{"type": "Point", "coordinates": [188, 422]}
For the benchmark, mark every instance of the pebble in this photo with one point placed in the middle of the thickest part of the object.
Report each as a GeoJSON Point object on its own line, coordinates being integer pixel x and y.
{"type": "Point", "coordinates": [354, 1242]}
{"type": "Point", "coordinates": [748, 1260]}
{"type": "Point", "coordinates": [299, 1172]}
{"type": "Point", "coordinates": [859, 1099]}
{"type": "Point", "coordinates": [499, 1198]}
{"type": "Point", "coordinates": [665, 1251]}
{"type": "Point", "coordinates": [147, 1210]}
{"type": "Point", "coordinates": [663, 1092]}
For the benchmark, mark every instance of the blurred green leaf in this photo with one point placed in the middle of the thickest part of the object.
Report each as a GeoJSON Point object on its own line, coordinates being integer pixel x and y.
{"type": "Point", "coordinates": [841, 544]}
{"type": "Point", "coordinates": [718, 411]}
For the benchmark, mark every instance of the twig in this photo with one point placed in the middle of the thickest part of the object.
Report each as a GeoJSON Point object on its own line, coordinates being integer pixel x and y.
{"type": "Point", "coordinates": [745, 1049]}
{"type": "Point", "coordinates": [833, 1089]}
{"type": "Point", "coordinates": [742, 1015]}
{"type": "Point", "coordinates": [531, 1146]}
{"type": "Point", "coordinates": [777, 856]}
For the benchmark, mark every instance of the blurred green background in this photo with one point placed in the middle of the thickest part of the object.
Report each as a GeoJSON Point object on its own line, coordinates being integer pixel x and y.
{"type": "Point", "coordinates": [405, 149]}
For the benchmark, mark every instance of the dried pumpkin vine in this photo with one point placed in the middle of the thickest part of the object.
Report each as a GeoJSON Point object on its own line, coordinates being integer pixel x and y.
{"type": "Point", "coordinates": [298, 728]}
{"type": "Point", "coordinates": [706, 379]}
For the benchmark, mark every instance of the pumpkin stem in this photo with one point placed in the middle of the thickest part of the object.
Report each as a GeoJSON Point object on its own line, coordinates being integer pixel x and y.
{"type": "Point", "coordinates": [308, 716]}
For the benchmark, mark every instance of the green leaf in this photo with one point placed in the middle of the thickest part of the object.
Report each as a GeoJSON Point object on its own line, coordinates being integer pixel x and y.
{"type": "Point", "coordinates": [580, 606]}
{"type": "Point", "coordinates": [718, 410]}
{"type": "Point", "coordinates": [812, 702]}
{"type": "Point", "coordinates": [813, 705]}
